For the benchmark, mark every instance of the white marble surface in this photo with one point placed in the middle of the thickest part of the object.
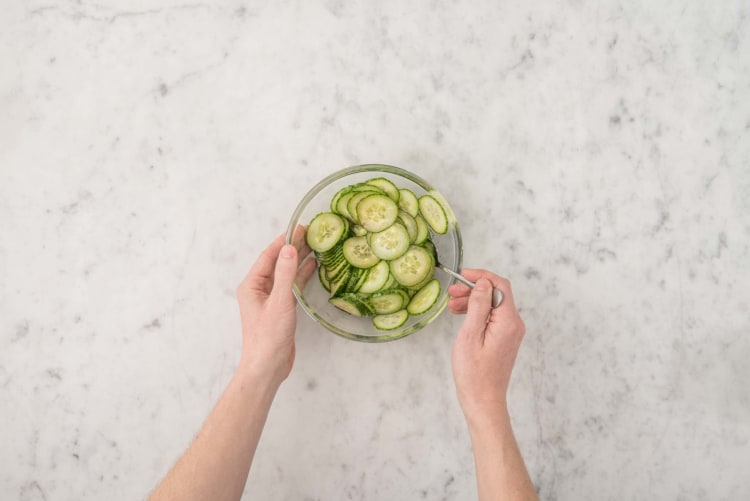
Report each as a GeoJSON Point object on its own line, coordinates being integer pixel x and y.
{"type": "Point", "coordinates": [597, 153]}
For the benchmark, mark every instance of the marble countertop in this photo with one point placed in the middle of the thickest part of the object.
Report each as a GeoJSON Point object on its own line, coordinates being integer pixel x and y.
{"type": "Point", "coordinates": [596, 153]}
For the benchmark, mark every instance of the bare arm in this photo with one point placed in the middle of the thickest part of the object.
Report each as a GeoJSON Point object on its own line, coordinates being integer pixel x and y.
{"type": "Point", "coordinates": [483, 357]}
{"type": "Point", "coordinates": [217, 463]}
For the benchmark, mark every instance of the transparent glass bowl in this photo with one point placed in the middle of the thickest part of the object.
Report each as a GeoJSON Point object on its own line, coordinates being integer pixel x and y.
{"type": "Point", "coordinates": [314, 298]}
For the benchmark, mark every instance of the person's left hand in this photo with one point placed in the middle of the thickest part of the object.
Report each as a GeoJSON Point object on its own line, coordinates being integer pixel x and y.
{"type": "Point", "coordinates": [268, 308]}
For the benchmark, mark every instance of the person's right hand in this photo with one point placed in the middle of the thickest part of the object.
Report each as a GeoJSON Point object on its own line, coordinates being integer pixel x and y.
{"type": "Point", "coordinates": [487, 343]}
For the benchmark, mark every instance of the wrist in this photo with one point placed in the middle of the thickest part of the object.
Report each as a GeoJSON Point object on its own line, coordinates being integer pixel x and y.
{"type": "Point", "coordinates": [253, 377]}
{"type": "Point", "coordinates": [486, 416]}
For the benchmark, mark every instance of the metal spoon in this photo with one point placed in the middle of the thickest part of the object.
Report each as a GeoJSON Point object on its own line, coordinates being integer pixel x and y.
{"type": "Point", "coordinates": [497, 294]}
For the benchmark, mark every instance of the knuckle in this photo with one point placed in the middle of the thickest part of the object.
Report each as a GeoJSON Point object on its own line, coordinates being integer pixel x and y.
{"type": "Point", "coordinates": [520, 327]}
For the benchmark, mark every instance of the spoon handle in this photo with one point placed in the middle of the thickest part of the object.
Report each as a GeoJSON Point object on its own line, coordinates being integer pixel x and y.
{"type": "Point", "coordinates": [497, 294]}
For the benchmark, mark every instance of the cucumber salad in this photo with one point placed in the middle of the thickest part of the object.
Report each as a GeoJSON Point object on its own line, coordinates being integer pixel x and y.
{"type": "Point", "coordinates": [375, 252]}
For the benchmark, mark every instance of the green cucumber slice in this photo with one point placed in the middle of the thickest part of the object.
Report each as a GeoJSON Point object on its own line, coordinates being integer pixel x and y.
{"type": "Point", "coordinates": [356, 279]}
{"type": "Point", "coordinates": [377, 277]}
{"type": "Point", "coordinates": [391, 321]}
{"type": "Point", "coordinates": [387, 187]}
{"type": "Point", "coordinates": [339, 283]}
{"type": "Point", "coordinates": [413, 267]}
{"type": "Point", "coordinates": [341, 204]}
{"type": "Point", "coordinates": [409, 223]}
{"type": "Point", "coordinates": [351, 304]}
{"type": "Point", "coordinates": [360, 187]}
{"type": "Point", "coordinates": [339, 194]}
{"type": "Point", "coordinates": [389, 283]}
{"type": "Point", "coordinates": [358, 230]}
{"type": "Point", "coordinates": [390, 243]}
{"type": "Point", "coordinates": [424, 298]}
{"type": "Point", "coordinates": [376, 212]}
{"type": "Point", "coordinates": [358, 253]}
{"type": "Point", "coordinates": [408, 202]}
{"type": "Point", "coordinates": [430, 247]}
{"type": "Point", "coordinates": [325, 231]}
{"type": "Point", "coordinates": [423, 232]}
{"type": "Point", "coordinates": [323, 279]}
{"type": "Point", "coordinates": [387, 302]}
{"type": "Point", "coordinates": [351, 205]}
{"type": "Point", "coordinates": [331, 257]}
{"type": "Point", "coordinates": [334, 272]}
{"type": "Point", "coordinates": [434, 214]}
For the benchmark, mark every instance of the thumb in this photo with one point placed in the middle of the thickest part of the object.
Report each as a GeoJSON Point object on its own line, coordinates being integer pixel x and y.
{"type": "Point", "coordinates": [480, 305]}
{"type": "Point", "coordinates": [284, 275]}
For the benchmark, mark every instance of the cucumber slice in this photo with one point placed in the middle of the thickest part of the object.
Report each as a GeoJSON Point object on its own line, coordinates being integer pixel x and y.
{"type": "Point", "coordinates": [423, 232]}
{"type": "Point", "coordinates": [408, 202]}
{"type": "Point", "coordinates": [434, 214]}
{"type": "Point", "coordinates": [339, 194]}
{"type": "Point", "coordinates": [387, 187]}
{"type": "Point", "coordinates": [386, 302]}
{"type": "Point", "coordinates": [430, 247]}
{"type": "Point", "coordinates": [360, 187]}
{"type": "Point", "coordinates": [335, 272]}
{"type": "Point", "coordinates": [331, 257]}
{"type": "Point", "coordinates": [323, 279]}
{"type": "Point", "coordinates": [351, 304]}
{"type": "Point", "coordinates": [341, 204]}
{"type": "Point", "coordinates": [358, 230]}
{"type": "Point", "coordinates": [358, 253]}
{"type": "Point", "coordinates": [376, 212]}
{"type": "Point", "coordinates": [410, 223]}
{"type": "Point", "coordinates": [390, 321]}
{"type": "Point", "coordinates": [405, 295]}
{"type": "Point", "coordinates": [413, 267]}
{"type": "Point", "coordinates": [377, 277]}
{"type": "Point", "coordinates": [416, 288]}
{"type": "Point", "coordinates": [356, 279]}
{"type": "Point", "coordinates": [339, 283]}
{"type": "Point", "coordinates": [424, 298]}
{"type": "Point", "coordinates": [351, 205]}
{"type": "Point", "coordinates": [390, 243]}
{"type": "Point", "coordinates": [445, 205]}
{"type": "Point", "coordinates": [325, 231]}
{"type": "Point", "coordinates": [389, 283]}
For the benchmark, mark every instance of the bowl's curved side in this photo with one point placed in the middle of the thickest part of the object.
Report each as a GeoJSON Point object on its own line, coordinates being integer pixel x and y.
{"type": "Point", "coordinates": [314, 299]}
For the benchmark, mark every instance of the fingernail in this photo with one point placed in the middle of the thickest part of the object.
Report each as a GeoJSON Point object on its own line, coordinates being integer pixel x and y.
{"type": "Point", "coordinates": [482, 285]}
{"type": "Point", "coordinates": [287, 251]}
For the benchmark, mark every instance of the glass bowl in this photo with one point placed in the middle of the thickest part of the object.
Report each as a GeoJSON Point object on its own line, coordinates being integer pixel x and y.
{"type": "Point", "coordinates": [314, 298]}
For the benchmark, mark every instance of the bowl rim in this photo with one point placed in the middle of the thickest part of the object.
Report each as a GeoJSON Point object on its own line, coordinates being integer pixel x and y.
{"type": "Point", "coordinates": [356, 169]}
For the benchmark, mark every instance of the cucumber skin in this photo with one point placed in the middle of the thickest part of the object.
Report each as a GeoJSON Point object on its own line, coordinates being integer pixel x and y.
{"type": "Point", "coordinates": [418, 309]}
{"type": "Point", "coordinates": [427, 202]}
{"type": "Point", "coordinates": [378, 320]}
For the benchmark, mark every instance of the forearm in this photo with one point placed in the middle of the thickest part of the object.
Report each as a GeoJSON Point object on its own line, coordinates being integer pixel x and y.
{"type": "Point", "coordinates": [501, 473]}
{"type": "Point", "coordinates": [217, 463]}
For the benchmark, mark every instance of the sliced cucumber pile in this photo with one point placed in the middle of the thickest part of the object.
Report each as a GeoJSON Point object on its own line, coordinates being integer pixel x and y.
{"type": "Point", "coordinates": [375, 252]}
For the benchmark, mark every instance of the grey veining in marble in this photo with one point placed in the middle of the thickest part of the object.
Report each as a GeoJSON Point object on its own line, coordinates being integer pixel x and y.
{"type": "Point", "coordinates": [596, 153]}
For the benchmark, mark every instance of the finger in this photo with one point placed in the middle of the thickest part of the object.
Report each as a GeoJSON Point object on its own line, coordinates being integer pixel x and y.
{"type": "Point", "coordinates": [283, 277]}
{"type": "Point", "coordinates": [305, 271]}
{"type": "Point", "coordinates": [478, 309]}
{"type": "Point", "coordinates": [458, 306]}
{"type": "Point", "coordinates": [459, 290]}
{"type": "Point", "coordinates": [260, 277]}
{"type": "Point", "coordinates": [299, 240]}
{"type": "Point", "coordinates": [497, 281]}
